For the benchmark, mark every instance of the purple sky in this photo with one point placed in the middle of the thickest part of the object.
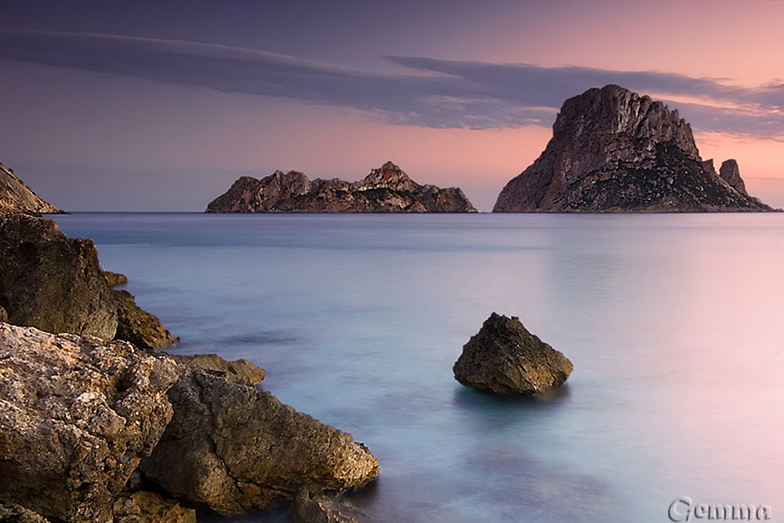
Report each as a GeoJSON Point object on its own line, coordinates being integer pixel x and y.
{"type": "Point", "coordinates": [145, 106]}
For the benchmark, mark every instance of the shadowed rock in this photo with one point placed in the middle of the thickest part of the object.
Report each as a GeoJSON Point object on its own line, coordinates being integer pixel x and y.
{"type": "Point", "coordinates": [505, 358]}
{"type": "Point", "coordinates": [56, 284]}
{"type": "Point", "coordinates": [76, 416]}
{"type": "Point", "coordinates": [234, 448]}
{"type": "Point", "coordinates": [387, 189]}
{"type": "Point", "coordinates": [613, 150]}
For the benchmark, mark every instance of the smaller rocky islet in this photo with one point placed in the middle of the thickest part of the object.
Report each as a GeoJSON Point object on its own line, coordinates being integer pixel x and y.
{"type": "Point", "coordinates": [385, 190]}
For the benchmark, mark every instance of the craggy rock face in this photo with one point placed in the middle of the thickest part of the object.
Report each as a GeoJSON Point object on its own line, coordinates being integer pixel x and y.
{"type": "Point", "coordinates": [505, 358]}
{"type": "Point", "coordinates": [615, 151]}
{"type": "Point", "coordinates": [76, 416]}
{"type": "Point", "coordinates": [387, 189]}
{"type": "Point", "coordinates": [16, 197]}
{"type": "Point", "coordinates": [233, 448]}
{"type": "Point", "coordinates": [52, 282]}
{"type": "Point", "coordinates": [56, 284]}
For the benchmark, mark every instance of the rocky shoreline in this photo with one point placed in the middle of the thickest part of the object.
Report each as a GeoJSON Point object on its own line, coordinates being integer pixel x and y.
{"type": "Point", "coordinates": [98, 425]}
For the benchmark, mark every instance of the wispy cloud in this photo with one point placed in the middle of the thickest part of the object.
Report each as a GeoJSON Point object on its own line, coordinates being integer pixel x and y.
{"type": "Point", "coordinates": [442, 93]}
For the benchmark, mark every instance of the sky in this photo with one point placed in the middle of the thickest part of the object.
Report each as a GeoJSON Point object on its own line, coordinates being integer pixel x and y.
{"type": "Point", "coordinates": [160, 105]}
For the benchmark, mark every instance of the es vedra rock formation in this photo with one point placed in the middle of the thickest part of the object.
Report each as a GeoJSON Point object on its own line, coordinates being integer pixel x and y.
{"type": "Point", "coordinates": [504, 358]}
{"type": "Point", "coordinates": [613, 150]}
{"type": "Point", "coordinates": [387, 189]}
{"type": "Point", "coordinates": [16, 197]}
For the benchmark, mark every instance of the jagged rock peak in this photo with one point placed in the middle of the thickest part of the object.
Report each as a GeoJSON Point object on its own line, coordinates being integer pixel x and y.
{"type": "Point", "coordinates": [387, 189]}
{"type": "Point", "coordinates": [16, 197]}
{"type": "Point", "coordinates": [613, 150]}
{"type": "Point", "coordinates": [730, 173]}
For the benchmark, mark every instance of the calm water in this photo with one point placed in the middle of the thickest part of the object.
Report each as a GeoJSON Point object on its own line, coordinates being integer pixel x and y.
{"type": "Point", "coordinates": [673, 322]}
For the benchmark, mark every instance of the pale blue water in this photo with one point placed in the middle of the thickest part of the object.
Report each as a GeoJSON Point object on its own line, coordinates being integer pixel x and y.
{"type": "Point", "coordinates": [674, 324]}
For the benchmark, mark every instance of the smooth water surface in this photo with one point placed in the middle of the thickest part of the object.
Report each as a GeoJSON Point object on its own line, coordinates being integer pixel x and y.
{"type": "Point", "coordinates": [673, 322]}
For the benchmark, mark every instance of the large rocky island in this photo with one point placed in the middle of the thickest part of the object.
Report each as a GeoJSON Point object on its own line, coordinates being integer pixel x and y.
{"type": "Point", "coordinates": [387, 189]}
{"type": "Point", "coordinates": [613, 150]}
{"type": "Point", "coordinates": [97, 426]}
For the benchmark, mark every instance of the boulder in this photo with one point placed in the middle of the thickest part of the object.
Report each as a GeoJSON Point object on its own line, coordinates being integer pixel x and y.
{"type": "Point", "coordinates": [387, 189]}
{"type": "Point", "coordinates": [234, 448]}
{"type": "Point", "coordinates": [503, 357]}
{"type": "Point", "coordinates": [56, 284]}
{"type": "Point", "coordinates": [77, 414]}
{"type": "Point", "coordinates": [114, 278]}
{"type": "Point", "coordinates": [613, 150]}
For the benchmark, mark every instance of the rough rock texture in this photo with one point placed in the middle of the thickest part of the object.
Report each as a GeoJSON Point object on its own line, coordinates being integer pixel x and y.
{"type": "Point", "coordinates": [615, 151]}
{"type": "Point", "coordinates": [233, 448]}
{"type": "Point", "coordinates": [19, 514]}
{"type": "Point", "coordinates": [730, 173]}
{"type": "Point", "coordinates": [505, 358]}
{"type": "Point", "coordinates": [149, 507]}
{"type": "Point", "coordinates": [52, 282]}
{"type": "Point", "coordinates": [114, 278]}
{"type": "Point", "coordinates": [76, 416]}
{"type": "Point", "coordinates": [310, 508]}
{"type": "Point", "coordinates": [56, 284]}
{"type": "Point", "coordinates": [16, 197]}
{"type": "Point", "coordinates": [387, 189]}
{"type": "Point", "coordinates": [240, 371]}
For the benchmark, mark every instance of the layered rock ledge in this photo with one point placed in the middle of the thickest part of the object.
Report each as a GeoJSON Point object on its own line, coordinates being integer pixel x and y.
{"type": "Point", "coordinates": [387, 189]}
{"type": "Point", "coordinates": [613, 150]}
{"type": "Point", "coordinates": [503, 357]}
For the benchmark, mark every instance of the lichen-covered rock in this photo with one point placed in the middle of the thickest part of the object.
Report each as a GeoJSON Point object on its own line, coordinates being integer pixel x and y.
{"type": "Point", "coordinates": [505, 358]}
{"type": "Point", "coordinates": [56, 284]}
{"type": "Point", "coordinates": [149, 507]}
{"type": "Point", "coordinates": [387, 189]}
{"type": "Point", "coordinates": [16, 197]}
{"type": "Point", "coordinates": [76, 416]}
{"type": "Point", "coordinates": [234, 448]}
{"type": "Point", "coordinates": [241, 371]}
{"type": "Point", "coordinates": [613, 150]}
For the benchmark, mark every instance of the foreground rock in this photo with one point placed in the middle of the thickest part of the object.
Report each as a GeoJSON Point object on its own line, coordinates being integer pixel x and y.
{"type": "Point", "coordinates": [505, 358]}
{"type": "Point", "coordinates": [56, 284]}
{"type": "Point", "coordinates": [387, 189]}
{"type": "Point", "coordinates": [615, 151]}
{"type": "Point", "coordinates": [16, 197]}
{"type": "Point", "coordinates": [233, 448]}
{"type": "Point", "coordinates": [76, 416]}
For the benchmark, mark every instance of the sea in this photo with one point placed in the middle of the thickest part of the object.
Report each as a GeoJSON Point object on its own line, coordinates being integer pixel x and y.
{"type": "Point", "coordinates": [674, 323]}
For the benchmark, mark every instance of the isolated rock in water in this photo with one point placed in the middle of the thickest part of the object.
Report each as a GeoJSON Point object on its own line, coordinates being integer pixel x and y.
{"type": "Point", "coordinates": [56, 284]}
{"type": "Point", "coordinates": [76, 416]}
{"type": "Point", "coordinates": [16, 197]}
{"type": "Point", "coordinates": [387, 189]}
{"type": "Point", "coordinates": [615, 151]}
{"type": "Point", "coordinates": [234, 448]}
{"type": "Point", "coordinates": [730, 173]}
{"type": "Point", "coordinates": [240, 371]}
{"type": "Point", "coordinates": [505, 358]}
